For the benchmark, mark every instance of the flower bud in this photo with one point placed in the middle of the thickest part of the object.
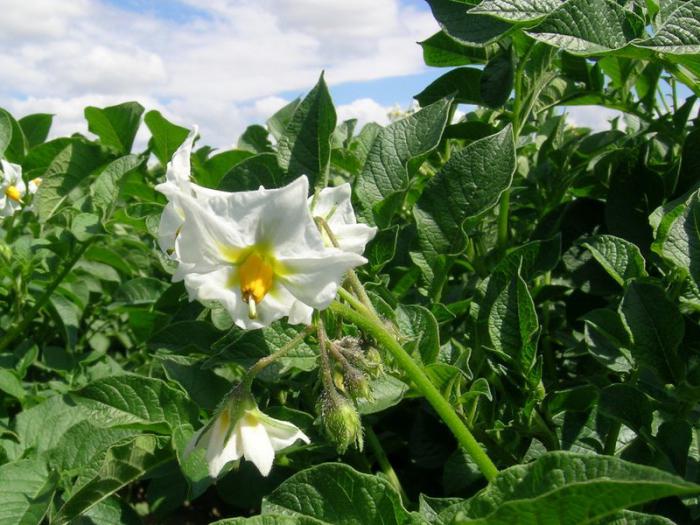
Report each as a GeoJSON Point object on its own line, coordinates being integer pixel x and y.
{"type": "Point", "coordinates": [341, 422]}
{"type": "Point", "coordinates": [356, 384]}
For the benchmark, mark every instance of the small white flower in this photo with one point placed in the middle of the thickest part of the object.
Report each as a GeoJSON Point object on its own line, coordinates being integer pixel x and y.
{"type": "Point", "coordinates": [247, 433]}
{"type": "Point", "coordinates": [33, 185]}
{"type": "Point", "coordinates": [259, 254]}
{"type": "Point", "coordinates": [178, 182]}
{"type": "Point", "coordinates": [334, 206]}
{"type": "Point", "coordinates": [12, 188]}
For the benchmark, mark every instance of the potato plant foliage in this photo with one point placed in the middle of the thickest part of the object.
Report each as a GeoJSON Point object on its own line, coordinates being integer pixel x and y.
{"type": "Point", "coordinates": [542, 281]}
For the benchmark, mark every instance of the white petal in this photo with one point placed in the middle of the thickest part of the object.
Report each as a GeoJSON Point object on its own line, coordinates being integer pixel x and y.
{"type": "Point", "coordinates": [300, 313]}
{"type": "Point", "coordinates": [255, 443]}
{"type": "Point", "coordinates": [204, 235]}
{"type": "Point", "coordinates": [216, 451]}
{"type": "Point", "coordinates": [171, 222]}
{"type": "Point", "coordinates": [333, 204]}
{"type": "Point", "coordinates": [314, 279]}
{"type": "Point", "coordinates": [178, 169]}
{"type": "Point", "coordinates": [12, 173]}
{"type": "Point", "coordinates": [353, 237]}
{"type": "Point", "coordinates": [282, 433]}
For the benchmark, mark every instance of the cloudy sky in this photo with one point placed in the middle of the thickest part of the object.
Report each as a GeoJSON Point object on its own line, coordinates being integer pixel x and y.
{"type": "Point", "coordinates": [222, 64]}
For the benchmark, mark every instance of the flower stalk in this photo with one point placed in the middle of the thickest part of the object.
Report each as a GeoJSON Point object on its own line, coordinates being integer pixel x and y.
{"type": "Point", "coordinates": [372, 326]}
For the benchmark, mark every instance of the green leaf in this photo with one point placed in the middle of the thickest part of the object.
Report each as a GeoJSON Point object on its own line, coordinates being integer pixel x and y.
{"type": "Point", "coordinates": [278, 122]}
{"type": "Point", "coordinates": [64, 174]}
{"type": "Point", "coordinates": [269, 519]}
{"type": "Point", "coordinates": [253, 172]}
{"type": "Point", "coordinates": [35, 127]}
{"type": "Point", "coordinates": [466, 28]}
{"type": "Point", "coordinates": [627, 517]}
{"type": "Point", "coordinates": [11, 385]}
{"type": "Point", "coordinates": [627, 405]}
{"type": "Point", "coordinates": [620, 258]}
{"type": "Point", "coordinates": [335, 493]}
{"type": "Point", "coordinates": [462, 83]}
{"type": "Point", "coordinates": [254, 139]}
{"type": "Point", "coordinates": [140, 291]}
{"type": "Point", "coordinates": [85, 226]}
{"type": "Point", "coordinates": [105, 189]}
{"type": "Point", "coordinates": [213, 170]}
{"type": "Point", "coordinates": [469, 183]}
{"type": "Point", "coordinates": [680, 32]}
{"type": "Point", "coordinates": [497, 80]}
{"type": "Point", "coordinates": [516, 10]}
{"type": "Point", "coordinates": [26, 490]}
{"type": "Point", "coordinates": [420, 328]}
{"type": "Point", "coordinates": [607, 339]}
{"type": "Point", "coordinates": [122, 465]}
{"type": "Point", "coordinates": [567, 489]}
{"type": "Point", "coordinates": [134, 401]}
{"type": "Point", "coordinates": [305, 146]}
{"type": "Point", "coordinates": [115, 125]}
{"type": "Point", "coordinates": [513, 325]}
{"type": "Point", "coordinates": [111, 511]}
{"type": "Point", "coordinates": [5, 132]}
{"type": "Point", "coordinates": [656, 328]}
{"type": "Point", "coordinates": [166, 136]}
{"type": "Point", "coordinates": [585, 27]}
{"type": "Point", "coordinates": [182, 335]}
{"type": "Point", "coordinates": [15, 147]}
{"type": "Point", "coordinates": [393, 160]}
{"type": "Point", "coordinates": [202, 385]}
{"type": "Point", "coordinates": [678, 237]}
{"type": "Point", "coordinates": [387, 391]}
{"type": "Point", "coordinates": [442, 51]}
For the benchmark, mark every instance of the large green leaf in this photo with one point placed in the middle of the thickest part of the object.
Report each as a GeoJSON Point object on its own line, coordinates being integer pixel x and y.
{"type": "Point", "coordinates": [680, 32]}
{"type": "Point", "coordinates": [35, 127]}
{"type": "Point", "coordinates": [620, 258]}
{"type": "Point", "coordinates": [442, 51]}
{"type": "Point", "coordinates": [517, 10]}
{"type": "Point", "coordinates": [305, 146]}
{"type": "Point", "coordinates": [586, 27]}
{"type": "Point", "coordinates": [166, 136]}
{"type": "Point", "coordinates": [393, 159]}
{"type": "Point", "coordinates": [253, 172]}
{"type": "Point", "coordinates": [105, 189]}
{"type": "Point", "coordinates": [115, 125]}
{"type": "Point", "coordinates": [67, 170]}
{"type": "Point", "coordinates": [678, 236]}
{"type": "Point", "coordinates": [566, 489]}
{"type": "Point", "coordinates": [466, 28]}
{"type": "Point", "coordinates": [337, 494]}
{"type": "Point", "coordinates": [462, 83]}
{"type": "Point", "coordinates": [656, 328]}
{"type": "Point", "coordinates": [121, 465]}
{"type": "Point", "coordinates": [5, 132]}
{"type": "Point", "coordinates": [137, 402]}
{"type": "Point", "coordinates": [26, 489]}
{"type": "Point", "coordinates": [13, 143]}
{"type": "Point", "coordinates": [469, 183]}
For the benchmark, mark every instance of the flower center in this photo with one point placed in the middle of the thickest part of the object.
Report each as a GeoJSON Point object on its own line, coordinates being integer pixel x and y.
{"type": "Point", "coordinates": [255, 275]}
{"type": "Point", "coordinates": [13, 193]}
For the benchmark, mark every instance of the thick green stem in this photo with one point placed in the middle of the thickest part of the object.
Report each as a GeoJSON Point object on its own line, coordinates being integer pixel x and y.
{"type": "Point", "coordinates": [384, 463]}
{"type": "Point", "coordinates": [20, 327]}
{"type": "Point", "coordinates": [611, 439]}
{"type": "Point", "coordinates": [443, 408]}
{"type": "Point", "coordinates": [266, 361]}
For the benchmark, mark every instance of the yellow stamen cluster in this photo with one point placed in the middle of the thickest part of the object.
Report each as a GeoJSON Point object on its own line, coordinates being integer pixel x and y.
{"type": "Point", "coordinates": [255, 276]}
{"type": "Point", "coordinates": [13, 193]}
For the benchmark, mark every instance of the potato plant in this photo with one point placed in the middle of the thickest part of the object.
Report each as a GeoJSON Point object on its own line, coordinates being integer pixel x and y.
{"type": "Point", "coordinates": [488, 317]}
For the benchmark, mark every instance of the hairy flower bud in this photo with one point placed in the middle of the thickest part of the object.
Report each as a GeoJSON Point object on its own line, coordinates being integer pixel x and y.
{"type": "Point", "coordinates": [341, 422]}
{"type": "Point", "coordinates": [356, 384]}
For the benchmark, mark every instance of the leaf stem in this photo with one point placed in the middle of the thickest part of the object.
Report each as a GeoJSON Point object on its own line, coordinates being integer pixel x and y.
{"type": "Point", "coordinates": [266, 361]}
{"type": "Point", "coordinates": [384, 463]}
{"type": "Point", "coordinates": [20, 327]}
{"type": "Point", "coordinates": [443, 408]}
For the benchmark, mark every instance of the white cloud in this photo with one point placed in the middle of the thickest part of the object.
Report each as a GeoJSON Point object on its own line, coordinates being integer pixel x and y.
{"type": "Point", "coordinates": [364, 110]}
{"type": "Point", "coordinates": [595, 117]}
{"type": "Point", "coordinates": [223, 68]}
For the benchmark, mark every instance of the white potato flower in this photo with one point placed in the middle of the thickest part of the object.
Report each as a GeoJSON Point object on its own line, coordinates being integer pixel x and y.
{"type": "Point", "coordinates": [334, 206]}
{"type": "Point", "coordinates": [238, 432]}
{"type": "Point", "coordinates": [12, 188]}
{"type": "Point", "coordinates": [259, 254]}
{"type": "Point", "coordinates": [178, 182]}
